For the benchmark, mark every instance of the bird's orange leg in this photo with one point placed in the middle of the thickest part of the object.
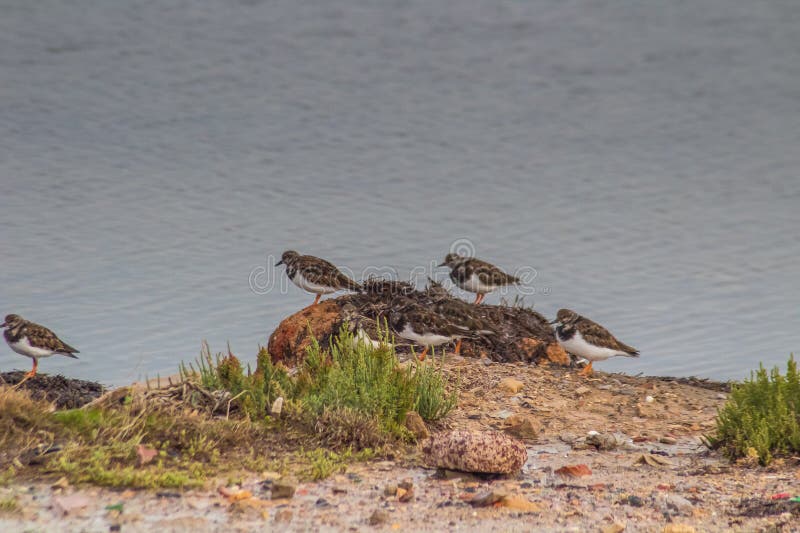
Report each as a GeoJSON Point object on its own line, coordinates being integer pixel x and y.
{"type": "Point", "coordinates": [421, 356]}
{"type": "Point", "coordinates": [458, 347]}
{"type": "Point", "coordinates": [316, 300]}
{"type": "Point", "coordinates": [587, 370]}
{"type": "Point", "coordinates": [33, 370]}
{"type": "Point", "coordinates": [479, 298]}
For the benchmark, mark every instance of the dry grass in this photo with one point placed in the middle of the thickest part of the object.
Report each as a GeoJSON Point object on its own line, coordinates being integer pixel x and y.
{"type": "Point", "coordinates": [351, 400]}
{"type": "Point", "coordinates": [25, 424]}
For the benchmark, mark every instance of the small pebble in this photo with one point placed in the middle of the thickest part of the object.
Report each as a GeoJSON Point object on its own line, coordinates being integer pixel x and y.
{"type": "Point", "coordinates": [378, 517]}
{"type": "Point", "coordinates": [634, 501]}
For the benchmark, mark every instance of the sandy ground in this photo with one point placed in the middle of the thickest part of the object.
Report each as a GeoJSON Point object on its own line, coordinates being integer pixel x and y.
{"type": "Point", "coordinates": [651, 473]}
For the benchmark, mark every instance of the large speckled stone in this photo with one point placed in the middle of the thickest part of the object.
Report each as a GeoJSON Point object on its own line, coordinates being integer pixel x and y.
{"type": "Point", "coordinates": [487, 452]}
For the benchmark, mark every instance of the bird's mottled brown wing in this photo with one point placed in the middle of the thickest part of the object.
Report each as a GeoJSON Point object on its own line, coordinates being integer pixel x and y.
{"type": "Point", "coordinates": [596, 334]}
{"type": "Point", "coordinates": [322, 272]}
{"type": "Point", "coordinates": [422, 318]}
{"type": "Point", "coordinates": [42, 337]}
{"type": "Point", "coordinates": [462, 314]}
{"type": "Point", "coordinates": [490, 274]}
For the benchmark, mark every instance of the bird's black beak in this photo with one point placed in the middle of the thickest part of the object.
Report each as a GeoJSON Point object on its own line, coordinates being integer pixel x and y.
{"type": "Point", "coordinates": [3, 325]}
{"type": "Point", "coordinates": [279, 263]}
{"type": "Point", "coordinates": [443, 264]}
{"type": "Point", "coordinates": [554, 321]}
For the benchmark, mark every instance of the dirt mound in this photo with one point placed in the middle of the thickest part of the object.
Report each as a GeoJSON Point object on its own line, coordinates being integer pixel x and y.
{"type": "Point", "coordinates": [517, 333]}
{"type": "Point", "coordinates": [65, 393]}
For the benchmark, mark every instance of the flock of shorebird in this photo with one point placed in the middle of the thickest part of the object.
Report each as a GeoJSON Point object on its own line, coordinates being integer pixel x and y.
{"type": "Point", "coordinates": [422, 325]}
{"type": "Point", "coordinates": [455, 319]}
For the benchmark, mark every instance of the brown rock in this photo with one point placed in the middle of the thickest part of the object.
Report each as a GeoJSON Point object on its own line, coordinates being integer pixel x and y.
{"type": "Point", "coordinates": [289, 341]}
{"type": "Point", "coordinates": [523, 426]}
{"type": "Point", "coordinates": [616, 527]}
{"type": "Point", "coordinates": [67, 505]}
{"type": "Point", "coordinates": [530, 347]}
{"type": "Point", "coordinates": [488, 452]}
{"type": "Point", "coordinates": [557, 355]}
{"type": "Point", "coordinates": [405, 495]}
{"type": "Point", "coordinates": [486, 499]}
{"type": "Point", "coordinates": [521, 334]}
{"type": "Point", "coordinates": [602, 441]}
{"type": "Point", "coordinates": [284, 515]}
{"type": "Point", "coordinates": [511, 385]}
{"type": "Point", "coordinates": [645, 410]}
{"type": "Point", "coordinates": [574, 471]}
{"type": "Point", "coordinates": [283, 488]}
{"type": "Point", "coordinates": [416, 425]}
{"type": "Point", "coordinates": [145, 454]}
{"type": "Point", "coordinates": [378, 517]}
{"type": "Point", "coordinates": [518, 503]}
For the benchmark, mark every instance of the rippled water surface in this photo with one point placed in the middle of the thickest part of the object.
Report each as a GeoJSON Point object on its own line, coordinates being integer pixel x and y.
{"type": "Point", "coordinates": [642, 157]}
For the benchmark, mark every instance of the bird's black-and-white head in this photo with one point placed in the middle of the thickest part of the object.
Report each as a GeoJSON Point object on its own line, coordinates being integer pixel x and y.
{"type": "Point", "coordinates": [566, 317]}
{"type": "Point", "coordinates": [452, 260]}
{"type": "Point", "coordinates": [288, 257]}
{"type": "Point", "coordinates": [12, 321]}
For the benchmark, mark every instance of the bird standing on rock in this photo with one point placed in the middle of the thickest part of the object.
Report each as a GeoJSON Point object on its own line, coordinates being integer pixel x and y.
{"type": "Point", "coordinates": [473, 275]}
{"type": "Point", "coordinates": [34, 341]}
{"type": "Point", "coordinates": [584, 338]}
{"type": "Point", "coordinates": [315, 275]}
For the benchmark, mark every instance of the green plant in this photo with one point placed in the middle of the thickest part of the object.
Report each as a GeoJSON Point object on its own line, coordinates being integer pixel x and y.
{"type": "Point", "coordinates": [432, 401]}
{"type": "Point", "coordinates": [253, 392]}
{"type": "Point", "coordinates": [323, 463]}
{"type": "Point", "coordinates": [353, 394]}
{"type": "Point", "coordinates": [761, 416]}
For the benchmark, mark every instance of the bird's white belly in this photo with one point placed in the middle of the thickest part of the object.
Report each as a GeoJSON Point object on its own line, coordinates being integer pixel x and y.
{"type": "Point", "coordinates": [361, 337]}
{"type": "Point", "coordinates": [578, 346]}
{"type": "Point", "coordinates": [309, 286]}
{"type": "Point", "coordinates": [23, 346]}
{"type": "Point", "coordinates": [424, 339]}
{"type": "Point", "coordinates": [473, 284]}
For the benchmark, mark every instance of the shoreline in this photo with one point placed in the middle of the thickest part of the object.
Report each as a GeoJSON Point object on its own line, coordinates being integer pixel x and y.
{"type": "Point", "coordinates": [649, 471]}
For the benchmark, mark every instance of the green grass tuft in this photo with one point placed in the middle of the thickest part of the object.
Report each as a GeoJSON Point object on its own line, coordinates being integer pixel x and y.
{"type": "Point", "coordinates": [352, 395]}
{"type": "Point", "coordinates": [762, 416]}
{"type": "Point", "coordinates": [323, 463]}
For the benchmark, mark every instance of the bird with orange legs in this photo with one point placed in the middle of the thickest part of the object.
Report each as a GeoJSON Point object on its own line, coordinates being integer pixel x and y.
{"type": "Point", "coordinates": [315, 275]}
{"type": "Point", "coordinates": [585, 338]}
{"type": "Point", "coordinates": [34, 341]}
{"type": "Point", "coordinates": [474, 275]}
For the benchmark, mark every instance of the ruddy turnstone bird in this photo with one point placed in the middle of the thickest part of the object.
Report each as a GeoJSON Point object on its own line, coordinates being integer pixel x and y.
{"type": "Point", "coordinates": [584, 338]}
{"type": "Point", "coordinates": [34, 341]}
{"type": "Point", "coordinates": [476, 276]}
{"type": "Point", "coordinates": [459, 313]}
{"type": "Point", "coordinates": [422, 325]}
{"type": "Point", "coordinates": [366, 330]}
{"type": "Point", "coordinates": [315, 275]}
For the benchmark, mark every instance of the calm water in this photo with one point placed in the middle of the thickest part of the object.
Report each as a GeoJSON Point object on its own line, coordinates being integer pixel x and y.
{"type": "Point", "coordinates": [642, 157]}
